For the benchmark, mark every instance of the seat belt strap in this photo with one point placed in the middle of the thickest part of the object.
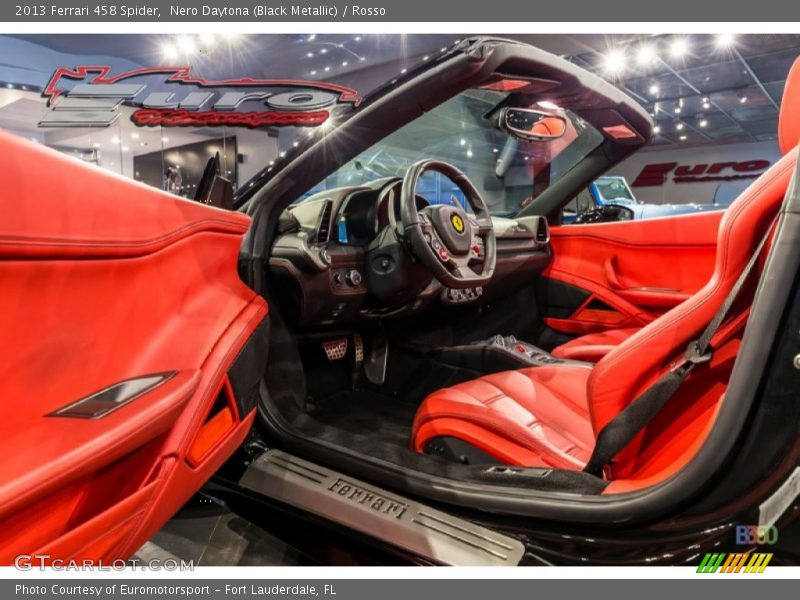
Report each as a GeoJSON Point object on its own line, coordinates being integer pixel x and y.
{"type": "Point", "coordinates": [621, 430]}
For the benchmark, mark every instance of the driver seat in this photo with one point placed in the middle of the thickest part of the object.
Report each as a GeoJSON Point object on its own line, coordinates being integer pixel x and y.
{"type": "Point", "coordinates": [550, 416]}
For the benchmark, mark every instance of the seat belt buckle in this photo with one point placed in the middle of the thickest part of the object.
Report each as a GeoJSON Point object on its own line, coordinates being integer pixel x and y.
{"type": "Point", "coordinates": [693, 355]}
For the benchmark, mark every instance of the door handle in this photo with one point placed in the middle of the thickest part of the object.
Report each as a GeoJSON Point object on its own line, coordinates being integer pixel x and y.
{"type": "Point", "coordinates": [610, 269]}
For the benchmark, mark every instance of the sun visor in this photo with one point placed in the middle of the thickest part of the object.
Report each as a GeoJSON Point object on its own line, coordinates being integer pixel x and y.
{"type": "Point", "coordinates": [613, 125]}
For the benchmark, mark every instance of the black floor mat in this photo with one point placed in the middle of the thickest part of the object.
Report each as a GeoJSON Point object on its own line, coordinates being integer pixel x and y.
{"type": "Point", "coordinates": [364, 413]}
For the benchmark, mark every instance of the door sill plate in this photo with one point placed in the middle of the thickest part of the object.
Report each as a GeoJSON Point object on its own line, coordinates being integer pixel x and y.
{"type": "Point", "coordinates": [426, 532]}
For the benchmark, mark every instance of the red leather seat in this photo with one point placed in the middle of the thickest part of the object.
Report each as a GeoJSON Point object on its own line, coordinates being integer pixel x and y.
{"type": "Point", "coordinates": [550, 416]}
{"type": "Point", "coordinates": [593, 346]}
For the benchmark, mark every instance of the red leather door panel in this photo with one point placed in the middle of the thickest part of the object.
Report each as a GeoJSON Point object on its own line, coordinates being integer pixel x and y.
{"type": "Point", "coordinates": [106, 280]}
{"type": "Point", "coordinates": [632, 270]}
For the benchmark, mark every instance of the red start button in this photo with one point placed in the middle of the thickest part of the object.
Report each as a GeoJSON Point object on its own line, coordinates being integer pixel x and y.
{"type": "Point", "coordinates": [520, 348]}
{"type": "Point", "coordinates": [443, 254]}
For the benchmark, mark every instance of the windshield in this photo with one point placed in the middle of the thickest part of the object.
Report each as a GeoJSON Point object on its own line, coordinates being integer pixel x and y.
{"type": "Point", "coordinates": [613, 188]}
{"type": "Point", "coordinates": [509, 172]}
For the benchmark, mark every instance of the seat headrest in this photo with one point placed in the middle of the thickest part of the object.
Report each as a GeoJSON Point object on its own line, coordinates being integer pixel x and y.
{"type": "Point", "coordinates": [789, 122]}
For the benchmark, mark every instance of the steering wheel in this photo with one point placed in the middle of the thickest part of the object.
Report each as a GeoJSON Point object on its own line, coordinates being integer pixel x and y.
{"type": "Point", "coordinates": [445, 238]}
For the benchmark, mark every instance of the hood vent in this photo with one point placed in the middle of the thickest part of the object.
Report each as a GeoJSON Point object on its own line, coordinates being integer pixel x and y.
{"type": "Point", "coordinates": [324, 229]}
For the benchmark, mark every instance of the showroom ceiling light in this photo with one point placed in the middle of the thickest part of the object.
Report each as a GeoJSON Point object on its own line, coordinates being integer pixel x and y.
{"type": "Point", "coordinates": [679, 47]}
{"type": "Point", "coordinates": [614, 61]}
{"type": "Point", "coordinates": [706, 103]}
{"type": "Point", "coordinates": [314, 72]}
{"type": "Point", "coordinates": [207, 40]}
{"type": "Point", "coordinates": [703, 123]}
{"type": "Point", "coordinates": [345, 63]}
{"type": "Point", "coordinates": [683, 138]}
{"type": "Point", "coordinates": [679, 127]}
{"type": "Point", "coordinates": [469, 153]}
{"type": "Point", "coordinates": [657, 129]}
{"type": "Point", "coordinates": [169, 51]}
{"type": "Point", "coordinates": [646, 55]}
{"type": "Point", "coordinates": [725, 40]}
{"type": "Point", "coordinates": [742, 97]}
{"type": "Point", "coordinates": [186, 44]}
{"type": "Point", "coordinates": [654, 89]}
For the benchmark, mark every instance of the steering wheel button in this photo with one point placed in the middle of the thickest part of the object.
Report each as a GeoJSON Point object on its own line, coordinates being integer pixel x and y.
{"type": "Point", "coordinates": [443, 254]}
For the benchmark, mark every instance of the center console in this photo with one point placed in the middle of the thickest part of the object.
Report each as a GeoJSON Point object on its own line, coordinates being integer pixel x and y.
{"type": "Point", "coordinates": [500, 353]}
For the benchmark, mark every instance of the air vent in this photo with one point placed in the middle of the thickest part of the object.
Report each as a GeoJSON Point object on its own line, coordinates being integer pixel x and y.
{"type": "Point", "coordinates": [542, 231]}
{"type": "Point", "coordinates": [324, 229]}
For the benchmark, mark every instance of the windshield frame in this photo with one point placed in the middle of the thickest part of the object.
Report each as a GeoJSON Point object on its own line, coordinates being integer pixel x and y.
{"type": "Point", "coordinates": [468, 64]}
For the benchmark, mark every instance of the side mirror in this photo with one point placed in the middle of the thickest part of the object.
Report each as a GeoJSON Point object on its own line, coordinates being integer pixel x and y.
{"type": "Point", "coordinates": [531, 124]}
{"type": "Point", "coordinates": [214, 189]}
{"type": "Point", "coordinates": [220, 194]}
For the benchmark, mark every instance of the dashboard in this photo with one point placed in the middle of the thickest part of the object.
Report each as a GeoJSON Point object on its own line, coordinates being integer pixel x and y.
{"type": "Point", "coordinates": [334, 251]}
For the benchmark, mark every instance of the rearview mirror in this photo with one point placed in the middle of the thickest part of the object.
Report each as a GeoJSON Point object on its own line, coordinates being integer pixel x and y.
{"type": "Point", "coordinates": [531, 124]}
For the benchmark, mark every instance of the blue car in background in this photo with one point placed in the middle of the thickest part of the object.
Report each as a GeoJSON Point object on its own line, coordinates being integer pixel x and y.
{"type": "Point", "coordinates": [610, 198]}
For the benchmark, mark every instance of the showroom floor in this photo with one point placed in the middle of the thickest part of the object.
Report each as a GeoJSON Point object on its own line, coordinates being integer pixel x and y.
{"type": "Point", "coordinates": [217, 537]}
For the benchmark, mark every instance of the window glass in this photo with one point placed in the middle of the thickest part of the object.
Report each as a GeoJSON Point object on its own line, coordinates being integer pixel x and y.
{"type": "Point", "coordinates": [172, 159]}
{"type": "Point", "coordinates": [509, 172]}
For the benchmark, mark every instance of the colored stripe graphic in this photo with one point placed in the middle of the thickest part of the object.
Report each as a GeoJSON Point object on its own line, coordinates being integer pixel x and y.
{"type": "Point", "coordinates": [737, 562]}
